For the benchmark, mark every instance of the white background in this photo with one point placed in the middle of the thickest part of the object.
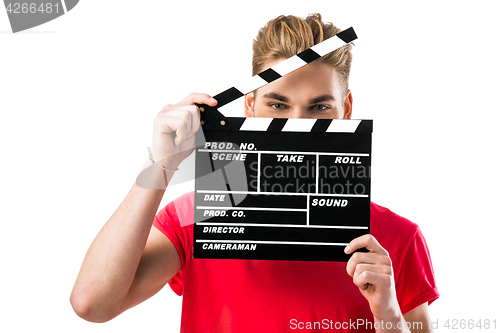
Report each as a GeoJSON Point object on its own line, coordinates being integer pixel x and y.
{"type": "Point", "coordinates": [78, 96]}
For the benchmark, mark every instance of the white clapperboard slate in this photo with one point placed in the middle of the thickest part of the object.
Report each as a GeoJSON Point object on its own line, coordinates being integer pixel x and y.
{"type": "Point", "coordinates": [280, 189]}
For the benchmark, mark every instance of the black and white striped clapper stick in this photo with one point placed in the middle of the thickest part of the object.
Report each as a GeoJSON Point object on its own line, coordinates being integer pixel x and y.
{"type": "Point", "coordinates": [280, 189]}
{"type": "Point", "coordinates": [212, 116]}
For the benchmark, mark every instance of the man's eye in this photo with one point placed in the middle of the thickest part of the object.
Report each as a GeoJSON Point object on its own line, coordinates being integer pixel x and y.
{"type": "Point", "coordinates": [278, 106]}
{"type": "Point", "coordinates": [319, 107]}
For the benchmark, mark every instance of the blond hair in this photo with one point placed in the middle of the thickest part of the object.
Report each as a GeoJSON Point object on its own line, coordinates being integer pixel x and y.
{"type": "Point", "coordinates": [285, 36]}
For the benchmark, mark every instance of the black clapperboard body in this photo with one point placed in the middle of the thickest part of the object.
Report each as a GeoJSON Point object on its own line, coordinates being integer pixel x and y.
{"type": "Point", "coordinates": [280, 189]}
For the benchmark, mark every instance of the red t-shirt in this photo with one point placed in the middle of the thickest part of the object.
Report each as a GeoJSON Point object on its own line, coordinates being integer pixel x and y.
{"type": "Point", "coordinates": [222, 295]}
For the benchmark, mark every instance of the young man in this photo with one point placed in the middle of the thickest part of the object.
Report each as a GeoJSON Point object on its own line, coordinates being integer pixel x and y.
{"type": "Point", "coordinates": [386, 289]}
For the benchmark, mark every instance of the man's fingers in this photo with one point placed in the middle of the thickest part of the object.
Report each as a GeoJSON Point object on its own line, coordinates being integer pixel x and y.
{"type": "Point", "coordinates": [175, 126]}
{"type": "Point", "coordinates": [196, 98]}
{"type": "Point", "coordinates": [195, 122]}
{"type": "Point", "coordinates": [372, 259]}
{"type": "Point", "coordinates": [378, 269]}
{"type": "Point", "coordinates": [366, 278]}
{"type": "Point", "coordinates": [169, 125]}
{"type": "Point", "coordinates": [184, 122]}
{"type": "Point", "coordinates": [367, 241]}
{"type": "Point", "coordinates": [189, 113]}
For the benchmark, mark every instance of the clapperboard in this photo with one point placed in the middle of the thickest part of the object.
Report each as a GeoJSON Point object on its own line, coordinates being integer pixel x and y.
{"type": "Point", "coordinates": [280, 189]}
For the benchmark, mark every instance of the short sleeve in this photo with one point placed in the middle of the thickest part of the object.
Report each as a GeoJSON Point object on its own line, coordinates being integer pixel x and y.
{"type": "Point", "coordinates": [176, 227]}
{"type": "Point", "coordinates": [416, 284]}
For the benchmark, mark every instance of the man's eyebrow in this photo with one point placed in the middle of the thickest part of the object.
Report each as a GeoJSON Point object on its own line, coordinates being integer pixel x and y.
{"type": "Point", "coordinates": [279, 97]}
{"type": "Point", "coordinates": [322, 98]}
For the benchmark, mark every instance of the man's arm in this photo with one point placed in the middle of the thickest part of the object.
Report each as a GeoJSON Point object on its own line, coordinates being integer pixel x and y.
{"type": "Point", "coordinates": [419, 320]}
{"type": "Point", "coordinates": [129, 261]}
{"type": "Point", "coordinates": [120, 258]}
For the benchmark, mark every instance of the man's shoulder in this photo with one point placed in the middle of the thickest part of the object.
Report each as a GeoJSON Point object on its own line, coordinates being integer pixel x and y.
{"type": "Point", "coordinates": [384, 217]}
{"type": "Point", "coordinates": [179, 211]}
{"type": "Point", "coordinates": [393, 231]}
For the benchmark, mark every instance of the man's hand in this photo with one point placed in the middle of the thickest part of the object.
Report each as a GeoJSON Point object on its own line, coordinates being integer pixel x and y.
{"type": "Point", "coordinates": [372, 273]}
{"type": "Point", "coordinates": [174, 130]}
